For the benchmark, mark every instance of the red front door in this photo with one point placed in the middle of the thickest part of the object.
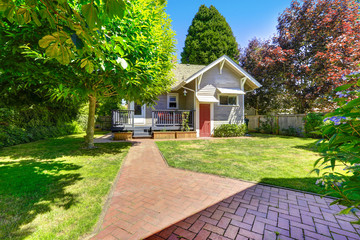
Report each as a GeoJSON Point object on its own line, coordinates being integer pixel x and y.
{"type": "Point", "coordinates": [205, 130]}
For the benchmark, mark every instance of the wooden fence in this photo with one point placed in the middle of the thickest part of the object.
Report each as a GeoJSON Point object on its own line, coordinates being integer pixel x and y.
{"type": "Point", "coordinates": [283, 123]}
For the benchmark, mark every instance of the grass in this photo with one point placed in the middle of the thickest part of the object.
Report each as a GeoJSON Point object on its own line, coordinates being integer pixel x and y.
{"type": "Point", "coordinates": [277, 160]}
{"type": "Point", "coordinates": [54, 189]}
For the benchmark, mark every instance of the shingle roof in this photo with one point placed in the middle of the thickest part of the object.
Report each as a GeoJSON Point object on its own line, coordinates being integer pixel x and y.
{"type": "Point", "coordinates": [184, 71]}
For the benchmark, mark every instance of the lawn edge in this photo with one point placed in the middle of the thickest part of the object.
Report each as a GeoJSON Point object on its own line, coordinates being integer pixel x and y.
{"type": "Point", "coordinates": [107, 203]}
{"type": "Point", "coordinates": [258, 183]}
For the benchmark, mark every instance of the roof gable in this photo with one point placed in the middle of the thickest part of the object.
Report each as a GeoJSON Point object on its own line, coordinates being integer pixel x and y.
{"type": "Point", "coordinates": [185, 73]}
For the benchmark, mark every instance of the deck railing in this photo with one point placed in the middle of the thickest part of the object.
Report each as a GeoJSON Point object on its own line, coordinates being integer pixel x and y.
{"type": "Point", "coordinates": [122, 118]}
{"type": "Point", "coordinates": [172, 118]}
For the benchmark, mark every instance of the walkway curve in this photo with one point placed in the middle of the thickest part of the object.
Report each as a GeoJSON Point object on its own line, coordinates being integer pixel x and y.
{"type": "Point", "coordinates": [150, 197]}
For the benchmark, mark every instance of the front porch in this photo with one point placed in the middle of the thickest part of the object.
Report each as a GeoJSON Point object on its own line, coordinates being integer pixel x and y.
{"type": "Point", "coordinates": [161, 120]}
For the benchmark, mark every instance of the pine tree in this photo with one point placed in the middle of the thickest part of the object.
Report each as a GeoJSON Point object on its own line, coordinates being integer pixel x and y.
{"type": "Point", "coordinates": [209, 37]}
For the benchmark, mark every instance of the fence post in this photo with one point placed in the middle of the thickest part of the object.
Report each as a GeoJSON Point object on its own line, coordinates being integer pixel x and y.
{"type": "Point", "coordinates": [259, 122]}
{"type": "Point", "coordinates": [277, 124]}
{"type": "Point", "coordinates": [133, 122]}
{"type": "Point", "coordinates": [174, 118]}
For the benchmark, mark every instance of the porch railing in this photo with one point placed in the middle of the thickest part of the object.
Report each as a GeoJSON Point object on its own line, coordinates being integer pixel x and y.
{"type": "Point", "coordinates": [172, 118]}
{"type": "Point", "coordinates": [122, 118]}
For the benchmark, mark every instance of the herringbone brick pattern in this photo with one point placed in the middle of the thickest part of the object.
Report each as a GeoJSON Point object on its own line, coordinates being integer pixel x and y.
{"type": "Point", "coordinates": [263, 212]}
{"type": "Point", "coordinates": [151, 196]}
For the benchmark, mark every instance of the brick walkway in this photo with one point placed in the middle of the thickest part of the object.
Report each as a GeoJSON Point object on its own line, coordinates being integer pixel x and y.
{"type": "Point", "coordinates": [262, 212]}
{"type": "Point", "coordinates": [149, 197]}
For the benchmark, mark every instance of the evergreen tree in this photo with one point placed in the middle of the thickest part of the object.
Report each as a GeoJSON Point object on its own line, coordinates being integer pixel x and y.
{"type": "Point", "coordinates": [209, 37]}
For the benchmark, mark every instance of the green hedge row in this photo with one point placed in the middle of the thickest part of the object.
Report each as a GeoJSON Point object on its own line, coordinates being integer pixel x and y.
{"type": "Point", "coordinates": [230, 130]}
{"type": "Point", "coordinates": [12, 135]}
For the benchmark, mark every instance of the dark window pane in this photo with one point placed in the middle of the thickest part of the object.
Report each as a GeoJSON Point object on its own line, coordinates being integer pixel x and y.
{"type": "Point", "coordinates": [223, 100]}
{"type": "Point", "coordinates": [232, 100]}
{"type": "Point", "coordinates": [137, 109]}
{"type": "Point", "coordinates": [172, 104]}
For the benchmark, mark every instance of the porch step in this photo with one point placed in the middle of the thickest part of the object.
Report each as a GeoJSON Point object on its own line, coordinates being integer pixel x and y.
{"type": "Point", "coordinates": [142, 136]}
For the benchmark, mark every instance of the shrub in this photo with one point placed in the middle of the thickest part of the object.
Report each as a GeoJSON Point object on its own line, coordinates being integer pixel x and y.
{"type": "Point", "coordinates": [269, 125]}
{"type": "Point", "coordinates": [341, 147]}
{"type": "Point", "coordinates": [230, 130]}
{"type": "Point", "coordinates": [313, 123]}
{"type": "Point", "coordinates": [12, 135]}
{"type": "Point", "coordinates": [292, 131]}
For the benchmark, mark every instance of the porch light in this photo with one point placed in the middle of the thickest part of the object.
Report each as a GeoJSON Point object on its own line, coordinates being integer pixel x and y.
{"type": "Point", "coordinates": [185, 92]}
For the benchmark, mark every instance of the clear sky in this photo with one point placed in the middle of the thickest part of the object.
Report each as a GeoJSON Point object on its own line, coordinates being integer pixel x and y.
{"type": "Point", "coordinates": [247, 18]}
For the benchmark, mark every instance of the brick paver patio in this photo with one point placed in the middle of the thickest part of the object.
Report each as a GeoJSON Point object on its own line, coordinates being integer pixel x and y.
{"type": "Point", "coordinates": [150, 197]}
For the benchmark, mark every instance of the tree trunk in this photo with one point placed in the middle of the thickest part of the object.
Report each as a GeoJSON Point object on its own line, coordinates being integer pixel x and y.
{"type": "Point", "coordinates": [89, 139]}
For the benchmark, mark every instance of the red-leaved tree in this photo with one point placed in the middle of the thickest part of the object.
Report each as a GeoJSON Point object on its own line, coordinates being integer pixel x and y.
{"type": "Point", "coordinates": [318, 42]}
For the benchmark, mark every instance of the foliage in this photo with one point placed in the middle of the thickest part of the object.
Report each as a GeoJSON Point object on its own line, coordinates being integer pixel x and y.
{"type": "Point", "coordinates": [341, 146]}
{"type": "Point", "coordinates": [76, 26]}
{"type": "Point", "coordinates": [272, 96]}
{"type": "Point", "coordinates": [209, 37]}
{"type": "Point", "coordinates": [185, 122]}
{"type": "Point", "coordinates": [104, 106]}
{"type": "Point", "coordinates": [269, 125]}
{"type": "Point", "coordinates": [52, 183]}
{"type": "Point", "coordinates": [131, 61]}
{"type": "Point", "coordinates": [318, 41]}
{"type": "Point", "coordinates": [230, 130]}
{"type": "Point", "coordinates": [313, 123]}
{"type": "Point", "coordinates": [292, 131]}
{"type": "Point", "coordinates": [13, 135]}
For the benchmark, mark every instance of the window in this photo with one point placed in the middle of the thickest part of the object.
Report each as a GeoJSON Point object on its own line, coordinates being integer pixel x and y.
{"type": "Point", "coordinates": [228, 100]}
{"type": "Point", "coordinates": [173, 101]}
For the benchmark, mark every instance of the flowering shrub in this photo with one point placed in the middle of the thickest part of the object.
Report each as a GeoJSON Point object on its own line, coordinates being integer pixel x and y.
{"type": "Point", "coordinates": [341, 147]}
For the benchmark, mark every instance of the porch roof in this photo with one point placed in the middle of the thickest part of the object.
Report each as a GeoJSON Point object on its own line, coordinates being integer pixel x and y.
{"type": "Point", "coordinates": [208, 99]}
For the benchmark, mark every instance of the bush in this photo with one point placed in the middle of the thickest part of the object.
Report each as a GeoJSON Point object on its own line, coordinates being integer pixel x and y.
{"type": "Point", "coordinates": [341, 147]}
{"type": "Point", "coordinates": [269, 125]}
{"type": "Point", "coordinates": [230, 130]}
{"type": "Point", "coordinates": [12, 135]}
{"type": "Point", "coordinates": [292, 131]}
{"type": "Point", "coordinates": [313, 124]}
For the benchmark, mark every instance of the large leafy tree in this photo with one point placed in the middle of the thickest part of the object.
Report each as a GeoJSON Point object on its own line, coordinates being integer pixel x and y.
{"type": "Point", "coordinates": [209, 37]}
{"type": "Point", "coordinates": [133, 60]}
{"type": "Point", "coordinates": [320, 42]}
{"type": "Point", "coordinates": [257, 59]}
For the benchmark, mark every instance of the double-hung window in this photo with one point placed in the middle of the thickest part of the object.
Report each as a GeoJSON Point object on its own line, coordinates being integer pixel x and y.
{"type": "Point", "coordinates": [228, 100]}
{"type": "Point", "coordinates": [173, 100]}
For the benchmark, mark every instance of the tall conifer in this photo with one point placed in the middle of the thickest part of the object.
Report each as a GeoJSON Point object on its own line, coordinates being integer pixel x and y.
{"type": "Point", "coordinates": [209, 37]}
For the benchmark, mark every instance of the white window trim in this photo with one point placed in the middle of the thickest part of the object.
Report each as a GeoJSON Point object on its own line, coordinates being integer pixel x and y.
{"type": "Point", "coordinates": [177, 100]}
{"type": "Point", "coordinates": [229, 95]}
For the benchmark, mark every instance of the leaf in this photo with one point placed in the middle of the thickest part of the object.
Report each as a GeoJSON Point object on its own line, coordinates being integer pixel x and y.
{"type": "Point", "coordinates": [352, 103]}
{"type": "Point", "coordinates": [343, 87]}
{"type": "Point", "coordinates": [52, 51]}
{"type": "Point", "coordinates": [64, 55]}
{"type": "Point", "coordinates": [35, 18]}
{"type": "Point", "coordinates": [90, 14]}
{"type": "Point", "coordinates": [46, 40]}
{"type": "Point", "coordinates": [115, 8]}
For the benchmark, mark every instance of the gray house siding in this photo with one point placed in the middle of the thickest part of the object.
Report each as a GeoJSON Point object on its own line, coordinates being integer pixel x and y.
{"type": "Point", "coordinates": [211, 80]}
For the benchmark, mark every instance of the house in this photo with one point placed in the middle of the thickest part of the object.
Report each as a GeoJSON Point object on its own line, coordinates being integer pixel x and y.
{"type": "Point", "coordinates": [209, 95]}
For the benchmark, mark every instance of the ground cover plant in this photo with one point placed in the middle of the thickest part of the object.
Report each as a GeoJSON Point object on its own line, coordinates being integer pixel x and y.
{"type": "Point", "coordinates": [54, 189]}
{"type": "Point", "coordinates": [279, 160]}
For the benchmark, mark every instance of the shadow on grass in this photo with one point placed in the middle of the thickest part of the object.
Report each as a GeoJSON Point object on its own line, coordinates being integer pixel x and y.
{"type": "Point", "coordinates": [28, 188]}
{"type": "Point", "coordinates": [72, 145]}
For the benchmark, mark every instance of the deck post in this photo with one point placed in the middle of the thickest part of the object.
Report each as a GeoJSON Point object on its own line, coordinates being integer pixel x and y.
{"type": "Point", "coordinates": [132, 117]}
{"type": "Point", "coordinates": [152, 119]}
{"type": "Point", "coordinates": [174, 118]}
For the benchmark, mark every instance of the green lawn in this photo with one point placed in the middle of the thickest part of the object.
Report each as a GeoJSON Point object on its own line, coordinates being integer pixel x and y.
{"type": "Point", "coordinates": [278, 160]}
{"type": "Point", "coordinates": [53, 189]}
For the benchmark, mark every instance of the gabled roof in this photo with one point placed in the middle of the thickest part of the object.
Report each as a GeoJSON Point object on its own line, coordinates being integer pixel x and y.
{"type": "Point", "coordinates": [183, 71]}
{"type": "Point", "coordinates": [202, 68]}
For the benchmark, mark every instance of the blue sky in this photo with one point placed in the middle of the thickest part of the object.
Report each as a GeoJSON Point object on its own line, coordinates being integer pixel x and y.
{"type": "Point", "coordinates": [247, 18]}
